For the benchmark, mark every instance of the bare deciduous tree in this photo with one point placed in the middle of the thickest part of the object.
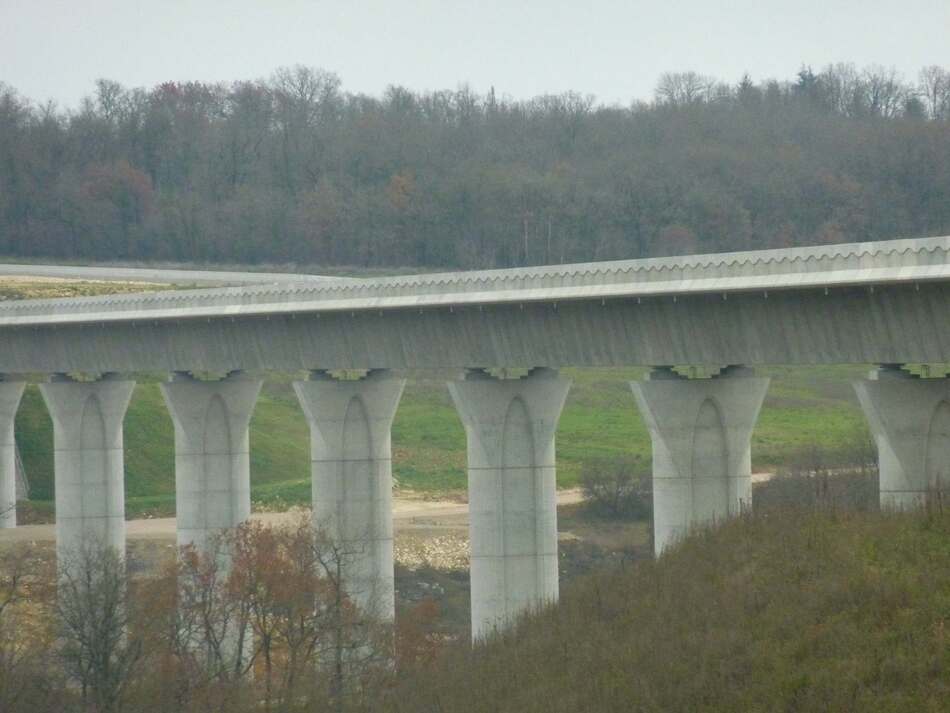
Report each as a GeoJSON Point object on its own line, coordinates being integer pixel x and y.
{"type": "Point", "coordinates": [684, 88]}
{"type": "Point", "coordinates": [935, 89]}
{"type": "Point", "coordinates": [99, 647]}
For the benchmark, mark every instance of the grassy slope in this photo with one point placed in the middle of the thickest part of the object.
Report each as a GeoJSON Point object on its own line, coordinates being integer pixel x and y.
{"type": "Point", "coordinates": [788, 611]}
{"type": "Point", "coordinates": [804, 406]}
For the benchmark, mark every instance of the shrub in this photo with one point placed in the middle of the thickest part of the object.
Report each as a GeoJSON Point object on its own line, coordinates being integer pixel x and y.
{"type": "Point", "coordinates": [816, 477]}
{"type": "Point", "coordinates": [618, 488]}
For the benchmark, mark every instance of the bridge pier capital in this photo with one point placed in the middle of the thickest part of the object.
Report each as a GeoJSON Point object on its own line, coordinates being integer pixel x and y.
{"type": "Point", "coordinates": [701, 432]}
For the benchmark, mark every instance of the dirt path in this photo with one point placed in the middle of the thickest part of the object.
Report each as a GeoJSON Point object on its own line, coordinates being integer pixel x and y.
{"type": "Point", "coordinates": [409, 514]}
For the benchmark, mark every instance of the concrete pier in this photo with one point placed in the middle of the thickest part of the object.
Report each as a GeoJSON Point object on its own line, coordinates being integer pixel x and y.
{"type": "Point", "coordinates": [510, 425]}
{"type": "Point", "coordinates": [701, 431]}
{"type": "Point", "coordinates": [909, 418]}
{"type": "Point", "coordinates": [88, 462]}
{"type": "Point", "coordinates": [10, 393]}
{"type": "Point", "coordinates": [351, 465]}
{"type": "Point", "coordinates": [212, 468]}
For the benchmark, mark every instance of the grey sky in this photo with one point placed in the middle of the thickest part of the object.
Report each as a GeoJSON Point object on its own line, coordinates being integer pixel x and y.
{"type": "Point", "coordinates": [55, 49]}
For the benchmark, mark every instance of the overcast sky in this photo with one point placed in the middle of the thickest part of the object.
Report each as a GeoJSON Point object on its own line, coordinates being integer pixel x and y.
{"type": "Point", "coordinates": [56, 49]}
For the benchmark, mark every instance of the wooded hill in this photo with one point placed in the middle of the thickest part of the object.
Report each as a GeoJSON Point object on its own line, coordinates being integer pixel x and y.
{"type": "Point", "coordinates": [295, 169]}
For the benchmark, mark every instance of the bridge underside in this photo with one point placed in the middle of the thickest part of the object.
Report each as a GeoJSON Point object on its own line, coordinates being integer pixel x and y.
{"type": "Point", "coordinates": [894, 324]}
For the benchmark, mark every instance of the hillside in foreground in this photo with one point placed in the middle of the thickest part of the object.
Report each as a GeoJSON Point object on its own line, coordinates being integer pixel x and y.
{"type": "Point", "coordinates": [782, 611]}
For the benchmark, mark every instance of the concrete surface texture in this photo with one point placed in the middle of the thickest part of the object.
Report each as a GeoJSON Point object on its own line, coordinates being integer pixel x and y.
{"type": "Point", "coordinates": [510, 426]}
{"type": "Point", "coordinates": [10, 393]}
{"type": "Point", "coordinates": [851, 303]}
{"type": "Point", "coordinates": [910, 421]}
{"type": "Point", "coordinates": [701, 431]}
{"type": "Point", "coordinates": [89, 469]}
{"type": "Point", "coordinates": [212, 467]}
{"type": "Point", "coordinates": [351, 464]}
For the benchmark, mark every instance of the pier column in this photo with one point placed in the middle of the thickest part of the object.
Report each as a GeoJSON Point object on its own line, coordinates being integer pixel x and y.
{"type": "Point", "coordinates": [10, 393]}
{"type": "Point", "coordinates": [909, 418]}
{"type": "Point", "coordinates": [212, 467]}
{"type": "Point", "coordinates": [701, 431]}
{"type": "Point", "coordinates": [88, 462]}
{"type": "Point", "coordinates": [512, 494]}
{"type": "Point", "coordinates": [351, 466]}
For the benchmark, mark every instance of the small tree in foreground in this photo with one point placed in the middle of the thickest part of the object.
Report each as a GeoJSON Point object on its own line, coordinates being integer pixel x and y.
{"type": "Point", "coordinates": [101, 641]}
{"type": "Point", "coordinates": [267, 612]}
{"type": "Point", "coordinates": [26, 633]}
{"type": "Point", "coordinates": [264, 619]}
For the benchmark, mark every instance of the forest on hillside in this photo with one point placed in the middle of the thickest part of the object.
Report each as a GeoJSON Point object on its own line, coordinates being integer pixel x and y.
{"type": "Point", "coordinates": [293, 168]}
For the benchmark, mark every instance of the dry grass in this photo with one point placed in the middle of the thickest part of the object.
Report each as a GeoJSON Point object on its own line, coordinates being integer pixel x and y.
{"type": "Point", "coordinates": [791, 610]}
{"type": "Point", "coordinates": [14, 288]}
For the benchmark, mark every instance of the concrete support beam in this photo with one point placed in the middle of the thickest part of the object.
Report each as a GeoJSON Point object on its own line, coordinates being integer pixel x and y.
{"type": "Point", "coordinates": [910, 421]}
{"type": "Point", "coordinates": [10, 393]}
{"type": "Point", "coordinates": [212, 468]}
{"type": "Point", "coordinates": [510, 425]}
{"type": "Point", "coordinates": [351, 465]}
{"type": "Point", "coordinates": [88, 462]}
{"type": "Point", "coordinates": [701, 431]}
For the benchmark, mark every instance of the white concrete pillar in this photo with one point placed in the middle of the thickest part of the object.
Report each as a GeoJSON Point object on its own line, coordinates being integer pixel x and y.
{"type": "Point", "coordinates": [88, 462]}
{"type": "Point", "coordinates": [351, 466]}
{"type": "Point", "coordinates": [512, 493]}
{"type": "Point", "coordinates": [10, 393]}
{"type": "Point", "coordinates": [212, 467]}
{"type": "Point", "coordinates": [910, 421]}
{"type": "Point", "coordinates": [701, 431]}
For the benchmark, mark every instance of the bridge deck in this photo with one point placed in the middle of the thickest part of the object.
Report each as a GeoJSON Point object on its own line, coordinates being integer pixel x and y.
{"type": "Point", "coordinates": [883, 302]}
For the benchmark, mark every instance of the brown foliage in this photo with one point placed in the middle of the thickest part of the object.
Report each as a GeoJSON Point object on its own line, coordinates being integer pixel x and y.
{"type": "Point", "coordinates": [263, 621]}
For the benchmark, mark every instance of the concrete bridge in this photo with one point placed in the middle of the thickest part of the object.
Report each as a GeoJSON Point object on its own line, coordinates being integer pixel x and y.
{"type": "Point", "coordinates": [885, 304]}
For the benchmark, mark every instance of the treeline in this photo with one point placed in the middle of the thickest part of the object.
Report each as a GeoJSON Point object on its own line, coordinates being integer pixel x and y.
{"type": "Point", "coordinates": [295, 169]}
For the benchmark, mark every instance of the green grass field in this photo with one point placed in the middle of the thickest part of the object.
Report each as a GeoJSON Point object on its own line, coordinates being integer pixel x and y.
{"type": "Point", "coordinates": [805, 407]}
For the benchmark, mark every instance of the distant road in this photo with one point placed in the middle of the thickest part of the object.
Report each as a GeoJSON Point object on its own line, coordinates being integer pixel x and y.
{"type": "Point", "coordinates": [408, 514]}
{"type": "Point", "coordinates": [157, 275]}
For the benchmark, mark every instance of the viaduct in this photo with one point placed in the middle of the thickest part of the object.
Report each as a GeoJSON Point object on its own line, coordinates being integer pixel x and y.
{"type": "Point", "coordinates": [884, 304]}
